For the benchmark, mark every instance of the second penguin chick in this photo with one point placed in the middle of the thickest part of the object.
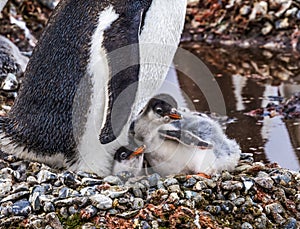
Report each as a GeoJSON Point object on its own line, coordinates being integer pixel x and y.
{"type": "Point", "coordinates": [129, 159]}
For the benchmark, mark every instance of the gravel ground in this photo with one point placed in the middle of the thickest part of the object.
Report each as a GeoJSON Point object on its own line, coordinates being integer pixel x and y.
{"type": "Point", "coordinates": [255, 195]}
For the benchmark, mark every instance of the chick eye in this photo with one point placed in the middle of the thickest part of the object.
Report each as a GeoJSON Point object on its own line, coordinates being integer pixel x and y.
{"type": "Point", "coordinates": [159, 110]}
{"type": "Point", "coordinates": [123, 155]}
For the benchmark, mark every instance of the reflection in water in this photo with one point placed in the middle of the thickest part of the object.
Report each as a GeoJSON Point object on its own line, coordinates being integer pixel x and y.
{"type": "Point", "coordinates": [270, 139]}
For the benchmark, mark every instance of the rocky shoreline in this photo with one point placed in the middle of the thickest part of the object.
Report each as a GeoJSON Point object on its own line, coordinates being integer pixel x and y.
{"type": "Point", "coordinates": [272, 24]}
{"type": "Point", "coordinates": [255, 195]}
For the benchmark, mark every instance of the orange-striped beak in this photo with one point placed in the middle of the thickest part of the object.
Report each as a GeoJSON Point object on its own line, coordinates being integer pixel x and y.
{"type": "Point", "coordinates": [138, 151]}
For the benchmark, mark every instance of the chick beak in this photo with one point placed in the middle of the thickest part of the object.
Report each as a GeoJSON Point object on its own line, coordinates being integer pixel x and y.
{"type": "Point", "coordinates": [175, 115]}
{"type": "Point", "coordinates": [138, 151]}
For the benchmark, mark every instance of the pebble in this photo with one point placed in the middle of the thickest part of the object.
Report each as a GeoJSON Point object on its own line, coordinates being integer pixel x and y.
{"type": "Point", "coordinates": [53, 221]}
{"type": "Point", "coordinates": [232, 185]}
{"type": "Point", "coordinates": [15, 196]}
{"type": "Point", "coordinates": [113, 180]}
{"type": "Point", "coordinates": [138, 203]}
{"type": "Point", "coordinates": [200, 185]}
{"type": "Point", "coordinates": [115, 191]}
{"type": "Point", "coordinates": [153, 179]}
{"type": "Point", "coordinates": [21, 208]}
{"type": "Point", "coordinates": [246, 225]}
{"type": "Point", "coordinates": [45, 175]}
{"type": "Point", "coordinates": [170, 181]}
{"type": "Point", "coordinates": [88, 212]}
{"type": "Point", "coordinates": [101, 202]}
{"type": "Point", "coordinates": [265, 182]}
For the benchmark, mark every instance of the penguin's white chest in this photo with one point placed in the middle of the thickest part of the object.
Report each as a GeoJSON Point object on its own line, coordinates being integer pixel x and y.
{"type": "Point", "coordinates": [92, 155]}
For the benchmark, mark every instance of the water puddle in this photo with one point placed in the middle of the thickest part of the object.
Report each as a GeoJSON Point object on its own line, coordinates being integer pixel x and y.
{"type": "Point", "coordinates": [247, 82]}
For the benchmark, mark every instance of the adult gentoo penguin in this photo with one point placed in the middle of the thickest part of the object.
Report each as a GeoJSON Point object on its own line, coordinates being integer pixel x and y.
{"type": "Point", "coordinates": [193, 144]}
{"type": "Point", "coordinates": [80, 86]}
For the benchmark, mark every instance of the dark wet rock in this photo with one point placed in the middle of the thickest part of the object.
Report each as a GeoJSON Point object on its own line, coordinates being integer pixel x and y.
{"type": "Point", "coordinates": [68, 178]}
{"type": "Point", "coordinates": [190, 182]}
{"type": "Point", "coordinates": [51, 4]}
{"type": "Point", "coordinates": [45, 176]}
{"type": "Point", "coordinates": [215, 210]}
{"type": "Point", "coordinates": [49, 207]}
{"type": "Point", "coordinates": [170, 181]}
{"type": "Point", "coordinates": [291, 223]}
{"type": "Point", "coordinates": [21, 208]}
{"type": "Point", "coordinates": [153, 179]}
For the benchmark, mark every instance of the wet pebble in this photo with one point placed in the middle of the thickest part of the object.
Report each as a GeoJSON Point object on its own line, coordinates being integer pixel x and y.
{"type": "Point", "coordinates": [246, 225]}
{"type": "Point", "coordinates": [45, 176]}
{"type": "Point", "coordinates": [170, 181]}
{"type": "Point", "coordinates": [115, 191]}
{"type": "Point", "coordinates": [232, 185]}
{"type": "Point", "coordinates": [90, 181]}
{"type": "Point", "coordinates": [21, 208]}
{"type": "Point", "coordinates": [153, 179]}
{"type": "Point", "coordinates": [200, 185]}
{"type": "Point", "coordinates": [49, 207]}
{"type": "Point", "coordinates": [113, 180]}
{"type": "Point", "coordinates": [101, 202]}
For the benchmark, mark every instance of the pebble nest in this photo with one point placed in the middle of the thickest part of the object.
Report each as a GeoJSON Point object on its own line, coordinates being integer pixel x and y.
{"type": "Point", "coordinates": [255, 195]}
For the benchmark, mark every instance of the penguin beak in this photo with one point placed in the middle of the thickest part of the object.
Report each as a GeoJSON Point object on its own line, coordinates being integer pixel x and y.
{"type": "Point", "coordinates": [175, 115]}
{"type": "Point", "coordinates": [138, 151]}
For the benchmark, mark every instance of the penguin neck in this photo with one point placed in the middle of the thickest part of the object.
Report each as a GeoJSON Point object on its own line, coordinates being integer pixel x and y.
{"type": "Point", "coordinates": [158, 42]}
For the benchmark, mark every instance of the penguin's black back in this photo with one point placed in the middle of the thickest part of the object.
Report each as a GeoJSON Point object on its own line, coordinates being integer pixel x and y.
{"type": "Point", "coordinates": [41, 118]}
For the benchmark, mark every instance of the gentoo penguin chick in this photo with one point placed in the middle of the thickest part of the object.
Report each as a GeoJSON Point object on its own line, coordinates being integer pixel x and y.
{"type": "Point", "coordinates": [160, 110]}
{"type": "Point", "coordinates": [193, 144]}
{"type": "Point", "coordinates": [129, 159]}
{"type": "Point", "coordinates": [87, 77]}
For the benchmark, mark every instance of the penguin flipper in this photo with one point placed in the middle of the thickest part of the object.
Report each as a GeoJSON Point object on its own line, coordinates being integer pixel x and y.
{"type": "Point", "coordinates": [125, 69]}
{"type": "Point", "coordinates": [186, 138]}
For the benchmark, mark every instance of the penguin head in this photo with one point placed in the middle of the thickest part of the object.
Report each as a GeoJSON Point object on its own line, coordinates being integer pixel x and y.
{"type": "Point", "coordinates": [126, 153]}
{"type": "Point", "coordinates": [127, 159]}
{"type": "Point", "coordinates": [161, 109]}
